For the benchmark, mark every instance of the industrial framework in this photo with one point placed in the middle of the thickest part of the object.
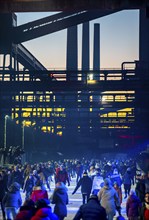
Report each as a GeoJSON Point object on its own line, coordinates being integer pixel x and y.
{"type": "Point", "coordinates": [87, 106]}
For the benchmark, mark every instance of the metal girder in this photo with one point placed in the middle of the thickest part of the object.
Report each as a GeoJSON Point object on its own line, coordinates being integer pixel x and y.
{"type": "Point", "coordinates": [54, 23]}
{"type": "Point", "coordinates": [74, 86]}
{"type": "Point", "coordinates": [67, 5]}
{"type": "Point", "coordinates": [64, 104]}
{"type": "Point", "coordinates": [27, 59]}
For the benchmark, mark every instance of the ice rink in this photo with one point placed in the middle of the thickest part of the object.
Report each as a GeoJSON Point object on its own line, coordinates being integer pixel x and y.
{"type": "Point", "coordinates": [75, 200]}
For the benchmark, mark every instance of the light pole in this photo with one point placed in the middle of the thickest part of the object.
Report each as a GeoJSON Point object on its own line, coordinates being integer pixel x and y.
{"type": "Point", "coordinates": [5, 131]}
{"type": "Point", "coordinates": [5, 140]}
{"type": "Point", "coordinates": [23, 125]}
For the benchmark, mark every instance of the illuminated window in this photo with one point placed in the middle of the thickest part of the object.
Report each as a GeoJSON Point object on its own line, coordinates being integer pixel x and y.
{"type": "Point", "coordinates": [59, 133]}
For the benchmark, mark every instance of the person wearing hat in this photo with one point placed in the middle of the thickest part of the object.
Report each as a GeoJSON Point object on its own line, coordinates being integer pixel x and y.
{"type": "Point", "coordinates": [108, 198]}
{"type": "Point", "coordinates": [91, 210]}
{"type": "Point", "coordinates": [86, 185]}
{"type": "Point", "coordinates": [133, 205]}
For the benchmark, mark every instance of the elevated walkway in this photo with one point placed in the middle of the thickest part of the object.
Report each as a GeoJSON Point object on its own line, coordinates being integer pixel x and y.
{"type": "Point", "coordinates": [56, 80]}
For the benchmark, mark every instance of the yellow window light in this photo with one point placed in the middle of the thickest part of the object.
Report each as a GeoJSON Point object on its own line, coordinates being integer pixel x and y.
{"type": "Point", "coordinates": [59, 126]}
{"type": "Point", "coordinates": [92, 81]}
{"type": "Point", "coordinates": [91, 98]}
{"type": "Point", "coordinates": [44, 128]}
{"type": "Point", "coordinates": [17, 98]}
{"type": "Point", "coordinates": [103, 115]}
{"type": "Point", "coordinates": [27, 123]}
{"type": "Point", "coordinates": [27, 109]}
{"type": "Point", "coordinates": [14, 115]}
{"type": "Point", "coordinates": [39, 109]}
{"type": "Point", "coordinates": [112, 114]}
{"type": "Point", "coordinates": [120, 98]}
{"type": "Point", "coordinates": [26, 114]}
{"type": "Point", "coordinates": [28, 92]}
{"type": "Point", "coordinates": [30, 98]}
{"type": "Point", "coordinates": [59, 133]}
{"type": "Point", "coordinates": [49, 109]}
{"type": "Point", "coordinates": [126, 109]}
{"type": "Point", "coordinates": [121, 114]}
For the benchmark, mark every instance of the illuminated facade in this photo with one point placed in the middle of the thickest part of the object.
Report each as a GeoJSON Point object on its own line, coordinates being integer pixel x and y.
{"type": "Point", "coordinates": [84, 110]}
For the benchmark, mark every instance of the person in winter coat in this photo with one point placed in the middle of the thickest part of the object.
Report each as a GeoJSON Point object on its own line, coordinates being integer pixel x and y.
{"type": "Point", "coordinates": [36, 177]}
{"type": "Point", "coordinates": [140, 189]}
{"type": "Point", "coordinates": [44, 174]}
{"type": "Point", "coordinates": [108, 198]}
{"type": "Point", "coordinates": [3, 190]}
{"type": "Point", "coordinates": [132, 206]}
{"type": "Point", "coordinates": [26, 211]}
{"type": "Point", "coordinates": [119, 192]}
{"type": "Point", "coordinates": [86, 185]}
{"type": "Point", "coordinates": [28, 186]}
{"type": "Point", "coordinates": [127, 181]}
{"type": "Point", "coordinates": [79, 171]}
{"type": "Point", "coordinates": [115, 177]}
{"type": "Point", "coordinates": [62, 176]}
{"type": "Point", "coordinates": [91, 210]}
{"type": "Point", "coordinates": [144, 213]}
{"type": "Point", "coordinates": [97, 182]}
{"type": "Point", "coordinates": [43, 211]}
{"type": "Point", "coordinates": [39, 192]}
{"type": "Point", "coordinates": [60, 199]}
{"type": "Point", "coordinates": [16, 176]}
{"type": "Point", "coordinates": [12, 200]}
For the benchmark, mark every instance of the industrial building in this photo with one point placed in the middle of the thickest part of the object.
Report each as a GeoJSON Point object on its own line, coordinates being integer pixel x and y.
{"type": "Point", "coordinates": [72, 111]}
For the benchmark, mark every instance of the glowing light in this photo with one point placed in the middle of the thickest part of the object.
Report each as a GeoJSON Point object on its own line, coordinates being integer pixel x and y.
{"type": "Point", "coordinates": [59, 133]}
{"type": "Point", "coordinates": [91, 81]}
{"type": "Point", "coordinates": [90, 76]}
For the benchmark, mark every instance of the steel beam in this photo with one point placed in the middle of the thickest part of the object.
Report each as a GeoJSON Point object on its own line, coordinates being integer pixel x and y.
{"type": "Point", "coordinates": [67, 5]}
{"type": "Point", "coordinates": [74, 86]}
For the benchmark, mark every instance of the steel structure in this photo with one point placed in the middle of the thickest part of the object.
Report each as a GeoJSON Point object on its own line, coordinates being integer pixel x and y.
{"type": "Point", "coordinates": [66, 5]}
{"type": "Point", "coordinates": [81, 111]}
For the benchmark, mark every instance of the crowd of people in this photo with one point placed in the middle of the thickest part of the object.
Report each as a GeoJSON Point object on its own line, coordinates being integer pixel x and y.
{"type": "Point", "coordinates": [101, 183]}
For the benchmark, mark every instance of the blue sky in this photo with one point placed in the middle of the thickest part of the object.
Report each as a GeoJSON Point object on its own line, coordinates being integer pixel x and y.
{"type": "Point", "coordinates": [119, 40]}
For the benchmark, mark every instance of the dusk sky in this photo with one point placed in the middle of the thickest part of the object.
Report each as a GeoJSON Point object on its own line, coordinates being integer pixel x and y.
{"type": "Point", "coordinates": [119, 40]}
